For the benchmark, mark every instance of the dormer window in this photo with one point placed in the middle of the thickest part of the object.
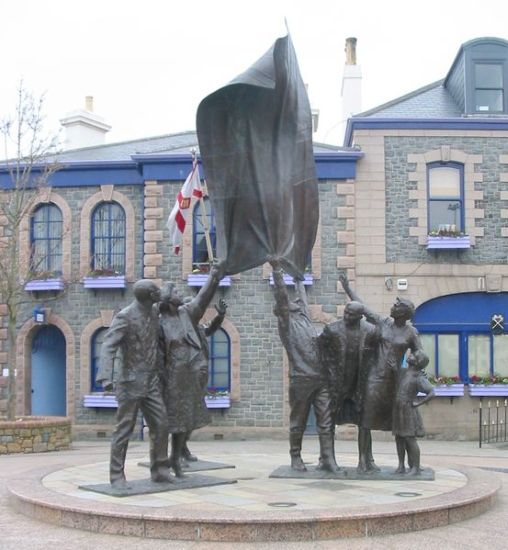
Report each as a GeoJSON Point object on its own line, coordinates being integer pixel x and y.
{"type": "Point", "coordinates": [489, 92]}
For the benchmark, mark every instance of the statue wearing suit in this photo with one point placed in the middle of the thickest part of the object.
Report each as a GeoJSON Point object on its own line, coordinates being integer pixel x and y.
{"type": "Point", "coordinates": [133, 339]}
{"type": "Point", "coordinates": [348, 349]}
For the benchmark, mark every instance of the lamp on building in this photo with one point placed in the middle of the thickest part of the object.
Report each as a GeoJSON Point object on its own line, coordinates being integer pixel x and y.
{"type": "Point", "coordinates": [39, 315]}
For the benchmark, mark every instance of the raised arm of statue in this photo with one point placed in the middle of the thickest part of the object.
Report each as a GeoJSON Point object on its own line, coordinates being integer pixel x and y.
{"type": "Point", "coordinates": [216, 322]}
{"type": "Point", "coordinates": [302, 295]}
{"type": "Point", "coordinates": [370, 315]}
{"type": "Point", "coordinates": [197, 306]}
{"type": "Point", "coordinates": [280, 292]}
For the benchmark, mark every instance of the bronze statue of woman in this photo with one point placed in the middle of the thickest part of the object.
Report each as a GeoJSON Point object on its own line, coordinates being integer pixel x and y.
{"type": "Point", "coordinates": [396, 336]}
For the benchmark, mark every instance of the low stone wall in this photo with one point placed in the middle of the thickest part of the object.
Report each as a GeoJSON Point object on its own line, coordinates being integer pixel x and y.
{"type": "Point", "coordinates": [35, 434]}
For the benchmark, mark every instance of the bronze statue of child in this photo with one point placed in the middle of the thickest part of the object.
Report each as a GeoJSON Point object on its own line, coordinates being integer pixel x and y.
{"type": "Point", "coordinates": [407, 421]}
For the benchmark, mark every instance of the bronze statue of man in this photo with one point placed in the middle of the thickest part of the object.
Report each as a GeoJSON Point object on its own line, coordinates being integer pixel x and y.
{"type": "Point", "coordinates": [308, 383]}
{"type": "Point", "coordinates": [133, 339]}
{"type": "Point", "coordinates": [348, 346]}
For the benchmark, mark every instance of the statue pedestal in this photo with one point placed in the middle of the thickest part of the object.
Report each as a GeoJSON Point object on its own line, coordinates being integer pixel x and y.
{"type": "Point", "coordinates": [385, 474]}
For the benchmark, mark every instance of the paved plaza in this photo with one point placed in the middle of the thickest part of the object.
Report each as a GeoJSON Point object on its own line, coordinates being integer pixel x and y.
{"type": "Point", "coordinates": [255, 492]}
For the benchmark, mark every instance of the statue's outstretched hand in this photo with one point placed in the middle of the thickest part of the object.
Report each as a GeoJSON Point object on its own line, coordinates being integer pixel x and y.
{"type": "Point", "coordinates": [344, 281]}
{"type": "Point", "coordinates": [221, 307]}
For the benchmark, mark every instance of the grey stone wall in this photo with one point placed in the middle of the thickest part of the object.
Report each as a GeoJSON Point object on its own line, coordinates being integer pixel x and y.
{"type": "Point", "coordinates": [400, 247]}
{"type": "Point", "coordinates": [250, 309]}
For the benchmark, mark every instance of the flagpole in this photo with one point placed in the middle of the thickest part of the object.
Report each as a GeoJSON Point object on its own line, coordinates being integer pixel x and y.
{"type": "Point", "coordinates": [204, 220]}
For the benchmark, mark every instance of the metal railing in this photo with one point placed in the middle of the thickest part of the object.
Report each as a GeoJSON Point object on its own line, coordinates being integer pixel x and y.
{"type": "Point", "coordinates": [492, 421]}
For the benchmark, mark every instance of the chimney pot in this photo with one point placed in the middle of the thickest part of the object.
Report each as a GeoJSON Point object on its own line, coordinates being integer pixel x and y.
{"type": "Point", "coordinates": [89, 103]}
{"type": "Point", "coordinates": [350, 51]}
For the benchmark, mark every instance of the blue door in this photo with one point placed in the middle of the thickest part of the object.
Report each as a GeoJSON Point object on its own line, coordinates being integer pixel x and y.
{"type": "Point", "coordinates": [48, 372]}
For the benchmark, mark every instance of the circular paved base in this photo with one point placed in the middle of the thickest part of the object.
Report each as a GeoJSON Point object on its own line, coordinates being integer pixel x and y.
{"type": "Point", "coordinates": [245, 511]}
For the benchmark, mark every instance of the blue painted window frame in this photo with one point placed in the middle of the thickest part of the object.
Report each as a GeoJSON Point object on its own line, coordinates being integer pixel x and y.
{"type": "Point", "coordinates": [94, 358]}
{"type": "Point", "coordinates": [46, 242]}
{"type": "Point", "coordinates": [460, 168]}
{"type": "Point", "coordinates": [198, 233]}
{"type": "Point", "coordinates": [113, 238]}
{"type": "Point", "coordinates": [214, 356]}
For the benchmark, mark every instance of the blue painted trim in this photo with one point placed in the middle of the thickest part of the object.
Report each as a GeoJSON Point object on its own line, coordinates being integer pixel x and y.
{"type": "Point", "coordinates": [372, 123]}
{"type": "Point", "coordinates": [464, 314]}
{"type": "Point", "coordinates": [333, 165]}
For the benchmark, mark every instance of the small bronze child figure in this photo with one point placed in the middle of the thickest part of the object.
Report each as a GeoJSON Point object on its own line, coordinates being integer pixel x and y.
{"type": "Point", "coordinates": [407, 421]}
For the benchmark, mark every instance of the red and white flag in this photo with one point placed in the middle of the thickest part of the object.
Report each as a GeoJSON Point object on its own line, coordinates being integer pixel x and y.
{"type": "Point", "coordinates": [178, 217]}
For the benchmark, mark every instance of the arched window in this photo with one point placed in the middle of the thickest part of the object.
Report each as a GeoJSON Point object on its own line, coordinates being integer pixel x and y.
{"type": "Point", "coordinates": [96, 345]}
{"type": "Point", "coordinates": [200, 257]}
{"type": "Point", "coordinates": [108, 239]}
{"type": "Point", "coordinates": [445, 198]}
{"type": "Point", "coordinates": [219, 364]}
{"type": "Point", "coordinates": [46, 241]}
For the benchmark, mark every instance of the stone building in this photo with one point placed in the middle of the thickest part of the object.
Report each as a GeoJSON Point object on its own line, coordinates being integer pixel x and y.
{"type": "Point", "coordinates": [431, 222]}
{"type": "Point", "coordinates": [99, 226]}
{"type": "Point", "coordinates": [415, 204]}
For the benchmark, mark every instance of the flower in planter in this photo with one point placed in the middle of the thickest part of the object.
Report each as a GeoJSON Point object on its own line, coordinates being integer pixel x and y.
{"type": "Point", "coordinates": [213, 393]}
{"type": "Point", "coordinates": [488, 380]}
{"type": "Point", "coordinates": [200, 268]}
{"type": "Point", "coordinates": [43, 275]}
{"type": "Point", "coordinates": [447, 231]}
{"type": "Point", "coordinates": [104, 272]}
{"type": "Point", "coordinates": [444, 380]}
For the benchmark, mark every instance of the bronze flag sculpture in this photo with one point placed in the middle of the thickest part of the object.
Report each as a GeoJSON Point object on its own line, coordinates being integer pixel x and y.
{"type": "Point", "coordinates": [255, 139]}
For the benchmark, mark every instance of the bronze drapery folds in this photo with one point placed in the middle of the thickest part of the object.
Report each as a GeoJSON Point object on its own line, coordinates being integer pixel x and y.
{"type": "Point", "coordinates": [255, 139]}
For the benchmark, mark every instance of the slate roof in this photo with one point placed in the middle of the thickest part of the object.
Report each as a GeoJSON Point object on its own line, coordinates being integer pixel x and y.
{"type": "Point", "coordinates": [431, 101]}
{"type": "Point", "coordinates": [180, 143]}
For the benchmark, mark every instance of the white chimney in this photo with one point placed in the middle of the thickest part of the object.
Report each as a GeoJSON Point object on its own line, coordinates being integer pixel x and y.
{"type": "Point", "coordinates": [83, 128]}
{"type": "Point", "coordinates": [351, 83]}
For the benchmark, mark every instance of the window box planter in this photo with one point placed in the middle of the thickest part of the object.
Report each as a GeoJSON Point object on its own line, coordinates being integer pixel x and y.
{"type": "Point", "coordinates": [100, 400]}
{"type": "Point", "coordinates": [219, 402]}
{"type": "Point", "coordinates": [448, 242]}
{"type": "Point", "coordinates": [488, 390]}
{"type": "Point", "coordinates": [45, 284]}
{"type": "Point", "coordinates": [199, 279]}
{"type": "Point", "coordinates": [288, 279]}
{"type": "Point", "coordinates": [106, 281]}
{"type": "Point", "coordinates": [449, 390]}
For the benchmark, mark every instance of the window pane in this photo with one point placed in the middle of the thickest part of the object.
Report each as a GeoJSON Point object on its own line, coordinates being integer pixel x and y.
{"type": "Point", "coordinates": [445, 213]}
{"type": "Point", "coordinates": [200, 249]}
{"type": "Point", "coordinates": [488, 75]}
{"type": "Point", "coordinates": [489, 101]}
{"type": "Point", "coordinates": [108, 245]}
{"type": "Point", "coordinates": [444, 182]}
{"type": "Point", "coordinates": [501, 354]}
{"type": "Point", "coordinates": [97, 340]}
{"type": "Point", "coordinates": [448, 346]}
{"type": "Point", "coordinates": [220, 381]}
{"type": "Point", "coordinates": [46, 239]}
{"type": "Point", "coordinates": [219, 366]}
{"type": "Point", "coordinates": [429, 347]}
{"type": "Point", "coordinates": [479, 355]}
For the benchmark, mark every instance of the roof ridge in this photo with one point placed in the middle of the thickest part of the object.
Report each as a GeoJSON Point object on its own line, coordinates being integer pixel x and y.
{"type": "Point", "coordinates": [102, 145]}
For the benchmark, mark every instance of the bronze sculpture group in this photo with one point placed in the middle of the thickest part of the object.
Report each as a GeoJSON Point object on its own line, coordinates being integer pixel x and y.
{"type": "Point", "coordinates": [255, 139]}
{"type": "Point", "coordinates": [351, 373]}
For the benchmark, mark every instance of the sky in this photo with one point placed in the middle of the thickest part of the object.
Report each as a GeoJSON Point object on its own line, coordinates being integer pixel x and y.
{"type": "Point", "coordinates": [148, 63]}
